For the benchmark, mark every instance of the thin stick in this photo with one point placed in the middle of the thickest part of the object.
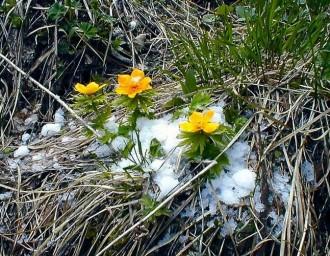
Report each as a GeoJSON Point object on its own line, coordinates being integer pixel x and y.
{"type": "Point", "coordinates": [56, 97]}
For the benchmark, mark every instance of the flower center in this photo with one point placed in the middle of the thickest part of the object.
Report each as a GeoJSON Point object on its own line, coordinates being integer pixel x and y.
{"type": "Point", "coordinates": [136, 79]}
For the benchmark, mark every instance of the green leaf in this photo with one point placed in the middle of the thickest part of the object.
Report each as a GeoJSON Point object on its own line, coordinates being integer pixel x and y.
{"type": "Point", "coordinates": [149, 204]}
{"type": "Point", "coordinates": [209, 18]}
{"type": "Point", "coordinates": [224, 10]}
{"type": "Point", "coordinates": [174, 102]}
{"type": "Point", "coordinates": [128, 148]}
{"type": "Point", "coordinates": [199, 101]}
{"type": "Point", "coordinates": [56, 11]}
{"type": "Point", "coordinates": [88, 30]}
{"type": "Point", "coordinates": [215, 171]}
{"type": "Point", "coordinates": [245, 12]}
{"type": "Point", "coordinates": [156, 149]}
{"type": "Point", "coordinates": [16, 21]}
{"type": "Point", "coordinates": [101, 118]}
{"type": "Point", "coordinates": [124, 129]}
{"type": "Point", "coordinates": [190, 84]}
{"type": "Point", "coordinates": [106, 137]}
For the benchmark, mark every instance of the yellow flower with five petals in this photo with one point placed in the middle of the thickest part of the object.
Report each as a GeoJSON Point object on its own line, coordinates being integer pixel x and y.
{"type": "Point", "coordinates": [88, 89]}
{"type": "Point", "coordinates": [199, 121]}
{"type": "Point", "coordinates": [133, 84]}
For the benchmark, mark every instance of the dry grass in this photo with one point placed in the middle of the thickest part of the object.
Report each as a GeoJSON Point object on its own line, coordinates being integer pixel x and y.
{"type": "Point", "coordinates": [85, 209]}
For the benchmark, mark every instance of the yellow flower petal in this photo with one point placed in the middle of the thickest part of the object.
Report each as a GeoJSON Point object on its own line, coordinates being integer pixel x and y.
{"type": "Point", "coordinates": [92, 88]}
{"type": "Point", "coordinates": [207, 116]}
{"type": "Point", "coordinates": [80, 88]}
{"type": "Point", "coordinates": [121, 90]}
{"type": "Point", "coordinates": [137, 74]}
{"type": "Point", "coordinates": [188, 127]}
{"type": "Point", "coordinates": [210, 127]}
{"type": "Point", "coordinates": [124, 80]}
{"type": "Point", "coordinates": [145, 83]}
{"type": "Point", "coordinates": [196, 117]}
{"type": "Point", "coordinates": [132, 95]}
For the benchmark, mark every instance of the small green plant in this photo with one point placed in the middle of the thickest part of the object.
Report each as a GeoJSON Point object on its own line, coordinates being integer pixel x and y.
{"type": "Point", "coordinates": [149, 204]}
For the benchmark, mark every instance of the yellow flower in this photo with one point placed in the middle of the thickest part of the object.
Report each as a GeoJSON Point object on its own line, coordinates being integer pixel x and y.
{"type": "Point", "coordinates": [200, 122]}
{"type": "Point", "coordinates": [133, 84]}
{"type": "Point", "coordinates": [88, 89]}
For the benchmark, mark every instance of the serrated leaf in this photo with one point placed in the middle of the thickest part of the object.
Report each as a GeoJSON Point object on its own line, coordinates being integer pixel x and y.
{"type": "Point", "coordinates": [245, 12]}
{"type": "Point", "coordinates": [224, 10]}
{"type": "Point", "coordinates": [155, 149]}
{"type": "Point", "coordinates": [56, 11]}
{"type": "Point", "coordinates": [174, 102]}
{"type": "Point", "coordinates": [199, 101]}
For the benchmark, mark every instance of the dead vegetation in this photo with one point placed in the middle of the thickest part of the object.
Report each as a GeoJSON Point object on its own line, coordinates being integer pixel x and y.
{"type": "Point", "coordinates": [80, 207]}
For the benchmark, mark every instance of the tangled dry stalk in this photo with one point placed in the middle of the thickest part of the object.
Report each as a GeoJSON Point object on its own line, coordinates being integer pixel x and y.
{"type": "Point", "coordinates": [85, 209]}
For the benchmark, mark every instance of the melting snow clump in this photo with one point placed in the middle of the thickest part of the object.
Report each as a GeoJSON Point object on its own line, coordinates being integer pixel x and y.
{"type": "Point", "coordinates": [281, 185]}
{"type": "Point", "coordinates": [276, 223]}
{"type": "Point", "coordinates": [52, 129]}
{"type": "Point", "coordinates": [228, 227]}
{"type": "Point", "coordinates": [307, 170]}
{"type": "Point", "coordinates": [258, 205]}
{"type": "Point", "coordinates": [234, 183]}
{"type": "Point", "coordinates": [22, 151]}
{"type": "Point", "coordinates": [26, 137]}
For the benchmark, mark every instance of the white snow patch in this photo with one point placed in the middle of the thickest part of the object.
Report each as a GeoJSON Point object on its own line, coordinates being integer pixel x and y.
{"type": "Point", "coordinates": [21, 152]}
{"type": "Point", "coordinates": [281, 185]}
{"type": "Point", "coordinates": [111, 125]}
{"type": "Point", "coordinates": [233, 184]}
{"type": "Point", "coordinates": [5, 196]}
{"type": "Point", "coordinates": [26, 137]}
{"type": "Point", "coordinates": [51, 129]}
{"type": "Point", "coordinates": [228, 227]}
{"type": "Point", "coordinates": [307, 170]}
{"type": "Point", "coordinates": [38, 156]}
{"type": "Point", "coordinates": [165, 177]}
{"type": "Point", "coordinates": [67, 139]}
{"type": "Point", "coordinates": [31, 120]}
{"type": "Point", "coordinates": [276, 222]}
{"type": "Point", "coordinates": [59, 116]}
{"type": "Point", "coordinates": [258, 205]}
{"type": "Point", "coordinates": [103, 151]}
{"type": "Point", "coordinates": [119, 143]}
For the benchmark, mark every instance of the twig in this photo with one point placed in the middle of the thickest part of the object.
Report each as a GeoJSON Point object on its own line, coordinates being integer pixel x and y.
{"type": "Point", "coordinates": [56, 97]}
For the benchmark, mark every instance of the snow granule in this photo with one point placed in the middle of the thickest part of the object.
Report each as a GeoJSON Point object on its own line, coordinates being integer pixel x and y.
{"type": "Point", "coordinates": [258, 205]}
{"type": "Point", "coordinates": [37, 167]}
{"type": "Point", "coordinates": [228, 227]}
{"type": "Point", "coordinates": [218, 116]}
{"type": "Point", "coordinates": [245, 178]}
{"type": "Point", "coordinates": [307, 170]}
{"type": "Point", "coordinates": [13, 163]}
{"type": "Point", "coordinates": [103, 151]}
{"type": "Point", "coordinates": [233, 184]}
{"type": "Point", "coordinates": [5, 196]}
{"type": "Point", "coordinates": [119, 143]}
{"type": "Point", "coordinates": [31, 120]}
{"type": "Point", "coordinates": [111, 125]}
{"type": "Point", "coordinates": [276, 223]}
{"type": "Point", "coordinates": [182, 239]}
{"type": "Point", "coordinates": [166, 180]}
{"type": "Point", "coordinates": [188, 212]}
{"type": "Point", "coordinates": [59, 116]}
{"type": "Point", "coordinates": [38, 156]}
{"type": "Point", "coordinates": [281, 186]}
{"type": "Point", "coordinates": [26, 137]}
{"type": "Point", "coordinates": [49, 130]}
{"type": "Point", "coordinates": [22, 151]}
